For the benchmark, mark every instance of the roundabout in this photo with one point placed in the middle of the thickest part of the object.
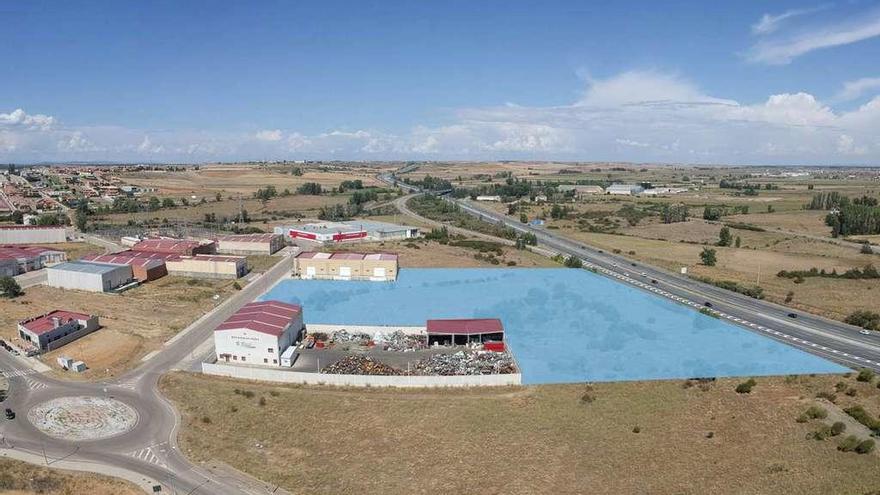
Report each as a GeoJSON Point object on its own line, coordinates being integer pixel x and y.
{"type": "Point", "coordinates": [83, 418]}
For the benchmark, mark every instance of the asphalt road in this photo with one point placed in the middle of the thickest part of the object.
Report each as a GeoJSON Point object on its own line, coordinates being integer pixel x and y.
{"type": "Point", "coordinates": [149, 450]}
{"type": "Point", "coordinates": [830, 339]}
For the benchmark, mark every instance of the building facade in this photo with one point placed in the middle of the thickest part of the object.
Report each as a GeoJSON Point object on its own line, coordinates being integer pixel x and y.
{"type": "Point", "coordinates": [88, 276]}
{"type": "Point", "coordinates": [143, 269]}
{"type": "Point", "coordinates": [350, 231]}
{"type": "Point", "coordinates": [624, 189]}
{"type": "Point", "coordinates": [259, 333]}
{"type": "Point", "coordinates": [31, 234]}
{"type": "Point", "coordinates": [56, 328]}
{"type": "Point", "coordinates": [246, 244]}
{"type": "Point", "coordinates": [208, 266]}
{"type": "Point", "coordinates": [377, 267]}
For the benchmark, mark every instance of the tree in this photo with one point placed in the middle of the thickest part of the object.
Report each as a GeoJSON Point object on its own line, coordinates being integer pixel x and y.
{"type": "Point", "coordinates": [9, 288]}
{"type": "Point", "coordinates": [154, 203]}
{"type": "Point", "coordinates": [573, 262]}
{"type": "Point", "coordinates": [865, 319]}
{"type": "Point", "coordinates": [710, 213]}
{"type": "Point", "coordinates": [724, 237]}
{"type": "Point", "coordinates": [218, 197]}
{"type": "Point", "coordinates": [708, 257]}
{"type": "Point", "coordinates": [184, 201]}
{"type": "Point", "coordinates": [523, 218]}
{"type": "Point", "coordinates": [81, 217]}
{"type": "Point", "coordinates": [310, 188]}
{"type": "Point", "coordinates": [737, 242]}
{"type": "Point", "coordinates": [168, 203]}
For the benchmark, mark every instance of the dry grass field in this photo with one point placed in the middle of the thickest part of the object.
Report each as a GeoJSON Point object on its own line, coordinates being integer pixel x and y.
{"type": "Point", "coordinates": [134, 323]}
{"type": "Point", "coordinates": [423, 254]}
{"type": "Point", "coordinates": [21, 478]}
{"type": "Point", "coordinates": [75, 250]}
{"type": "Point", "coordinates": [622, 438]}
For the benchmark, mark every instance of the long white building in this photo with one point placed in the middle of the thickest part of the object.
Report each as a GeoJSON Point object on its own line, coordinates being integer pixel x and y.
{"type": "Point", "coordinates": [258, 333]}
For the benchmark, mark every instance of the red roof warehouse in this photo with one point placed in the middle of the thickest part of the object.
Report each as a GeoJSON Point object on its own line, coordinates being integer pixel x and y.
{"type": "Point", "coordinates": [258, 333]}
{"type": "Point", "coordinates": [462, 331]}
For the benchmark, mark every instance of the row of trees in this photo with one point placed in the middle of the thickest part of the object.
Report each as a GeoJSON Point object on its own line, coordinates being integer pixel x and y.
{"type": "Point", "coordinates": [854, 219]}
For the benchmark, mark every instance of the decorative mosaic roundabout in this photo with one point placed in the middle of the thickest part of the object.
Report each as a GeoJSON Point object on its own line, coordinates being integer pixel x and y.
{"type": "Point", "coordinates": [83, 418]}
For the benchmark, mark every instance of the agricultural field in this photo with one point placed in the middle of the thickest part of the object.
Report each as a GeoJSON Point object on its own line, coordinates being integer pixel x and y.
{"type": "Point", "coordinates": [687, 437]}
{"type": "Point", "coordinates": [133, 323]}
{"type": "Point", "coordinates": [21, 478]}
{"type": "Point", "coordinates": [770, 227]}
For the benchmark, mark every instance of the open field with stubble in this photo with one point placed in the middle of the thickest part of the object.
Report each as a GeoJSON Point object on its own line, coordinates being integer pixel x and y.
{"type": "Point", "coordinates": [666, 436]}
{"type": "Point", "coordinates": [21, 478]}
{"type": "Point", "coordinates": [133, 323]}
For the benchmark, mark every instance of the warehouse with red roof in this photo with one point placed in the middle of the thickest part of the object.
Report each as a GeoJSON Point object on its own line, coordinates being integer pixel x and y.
{"type": "Point", "coordinates": [56, 328]}
{"type": "Point", "coordinates": [259, 333]}
{"type": "Point", "coordinates": [464, 331]}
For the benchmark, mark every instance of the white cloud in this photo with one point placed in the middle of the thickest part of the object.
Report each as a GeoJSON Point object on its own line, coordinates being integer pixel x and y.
{"type": "Point", "coordinates": [783, 50]}
{"type": "Point", "coordinates": [769, 23]}
{"type": "Point", "coordinates": [147, 146]}
{"type": "Point", "coordinates": [633, 116]}
{"type": "Point", "coordinates": [853, 90]}
{"type": "Point", "coordinates": [269, 135]}
{"type": "Point", "coordinates": [19, 118]}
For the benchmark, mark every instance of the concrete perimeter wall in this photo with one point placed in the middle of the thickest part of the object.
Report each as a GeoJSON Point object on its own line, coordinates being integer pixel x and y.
{"type": "Point", "coordinates": [284, 376]}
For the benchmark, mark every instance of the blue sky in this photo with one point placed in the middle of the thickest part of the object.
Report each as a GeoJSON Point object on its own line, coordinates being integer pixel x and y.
{"type": "Point", "coordinates": [691, 82]}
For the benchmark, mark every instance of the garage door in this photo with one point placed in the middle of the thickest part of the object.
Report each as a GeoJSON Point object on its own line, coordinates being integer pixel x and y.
{"type": "Point", "coordinates": [345, 272]}
{"type": "Point", "coordinates": [378, 274]}
{"type": "Point", "coordinates": [310, 272]}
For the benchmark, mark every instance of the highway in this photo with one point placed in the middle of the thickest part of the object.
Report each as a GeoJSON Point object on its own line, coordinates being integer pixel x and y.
{"type": "Point", "coordinates": [830, 339]}
{"type": "Point", "coordinates": [147, 454]}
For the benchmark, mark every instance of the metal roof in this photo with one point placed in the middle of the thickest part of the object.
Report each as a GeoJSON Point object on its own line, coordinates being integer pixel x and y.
{"type": "Point", "coordinates": [124, 259]}
{"type": "Point", "coordinates": [270, 317]}
{"type": "Point", "coordinates": [345, 255]}
{"type": "Point", "coordinates": [43, 323]}
{"type": "Point", "coordinates": [349, 226]}
{"type": "Point", "coordinates": [84, 267]}
{"type": "Point", "coordinates": [465, 326]}
{"type": "Point", "coordinates": [248, 237]}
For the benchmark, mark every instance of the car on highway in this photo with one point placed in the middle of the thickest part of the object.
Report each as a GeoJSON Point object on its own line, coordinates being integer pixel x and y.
{"type": "Point", "coordinates": [792, 315]}
{"type": "Point", "coordinates": [10, 414]}
{"type": "Point", "coordinates": [865, 332]}
{"type": "Point", "coordinates": [633, 264]}
{"type": "Point", "coordinates": [654, 281]}
{"type": "Point", "coordinates": [707, 304]}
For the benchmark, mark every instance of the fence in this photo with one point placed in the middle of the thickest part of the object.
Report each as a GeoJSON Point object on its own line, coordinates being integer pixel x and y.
{"type": "Point", "coordinates": [286, 376]}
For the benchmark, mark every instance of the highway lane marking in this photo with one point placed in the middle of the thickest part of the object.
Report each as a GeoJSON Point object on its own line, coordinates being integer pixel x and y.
{"type": "Point", "coordinates": [15, 373]}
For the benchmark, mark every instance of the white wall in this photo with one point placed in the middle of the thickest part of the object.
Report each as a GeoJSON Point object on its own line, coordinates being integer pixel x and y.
{"type": "Point", "coordinates": [284, 375]}
{"type": "Point", "coordinates": [367, 329]}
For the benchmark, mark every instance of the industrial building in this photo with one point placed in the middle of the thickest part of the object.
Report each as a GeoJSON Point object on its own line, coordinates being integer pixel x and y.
{"type": "Point", "coordinates": [461, 332]}
{"type": "Point", "coordinates": [580, 190]}
{"type": "Point", "coordinates": [259, 333]}
{"type": "Point", "coordinates": [56, 328]}
{"type": "Point", "coordinates": [354, 230]}
{"type": "Point", "coordinates": [208, 266]}
{"type": "Point", "coordinates": [143, 269]}
{"type": "Point", "coordinates": [246, 244]}
{"type": "Point", "coordinates": [624, 189]}
{"type": "Point", "coordinates": [378, 267]}
{"type": "Point", "coordinates": [29, 258]}
{"type": "Point", "coordinates": [88, 276]}
{"type": "Point", "coordinates": [175, 246]}
{"type": "Point", "coordinates": [32, 234]}
{"type": "Point", "coordinates": [8, 267]}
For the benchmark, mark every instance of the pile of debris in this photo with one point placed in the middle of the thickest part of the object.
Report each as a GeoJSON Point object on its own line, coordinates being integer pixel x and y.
{"type": "Point", "coordinates": [342, 337]}
{"type": "Point", "coordinates": [466, 363]}
{"type": "Point", "coordinates": [360, 365]}
{"type": "Point", "coordinates": [399, 341]}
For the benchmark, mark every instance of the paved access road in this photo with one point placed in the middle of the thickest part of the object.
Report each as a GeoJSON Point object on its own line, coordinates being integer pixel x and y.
{"type": "Point", "coordinates": [148, 453]}
{"type": "Point", "coordinates": [830, 339]}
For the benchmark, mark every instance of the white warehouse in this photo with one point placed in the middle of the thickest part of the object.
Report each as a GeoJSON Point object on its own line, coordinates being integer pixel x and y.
{"type": "Point", "coordinates": [92, 277]}
{"type": "Point", "coordinates": [31, 234]}
{"type": "Point", "coordinates": [258, 333]}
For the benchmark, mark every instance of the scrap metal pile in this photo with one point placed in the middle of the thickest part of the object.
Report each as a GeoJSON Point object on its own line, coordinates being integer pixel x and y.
{"type": "Point", "coordinates": [342, 336]}
{"type": "Point", "coordinates": [399, 341]}
{"type": "Point", "coordinates": [465, 363]}
{"type": "Point", "coordinates": [360, 365]}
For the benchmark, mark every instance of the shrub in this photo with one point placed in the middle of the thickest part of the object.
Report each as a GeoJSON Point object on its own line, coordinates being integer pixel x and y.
{"type": "Point", "coordinates": [859, 414]}
{"type": "Point", "coordinates": [865, 446]}
{"type": "Point", "coordinates": [206, 420]}
{"type": "Point", "coordinates": [865, 375]}
{"type": "Point", "coordinates": [637, 429]}
{"type": "Point", "coordinates": [848, 444]}
{"type": "Point", "coordinates": [829, 396]}
{"type": "Point", "coordinates": [262, 401]}
{"type": "Point", "coordinates": [837, 428]}
{"type": "Point", "coordinates": [816, 412]}
{"type": "Point", "coordinates": [822, 433]}
{"type": "Point", "coordinates": [711, 434]}
{"type": "Point", "coordinates": [746, 386]}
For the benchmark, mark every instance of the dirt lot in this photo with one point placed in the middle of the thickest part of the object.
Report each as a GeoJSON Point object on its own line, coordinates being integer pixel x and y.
{"type": "Point", "coordinates": [21, 478]}
{"type": "Point", "coordinates": [133, 323]}
{"type": "Point", "coordinates": [424, 254]}
{"type": "Point", "coordinates": [75, 250]}
{"type": "Point", "coordinates": [636, 437]}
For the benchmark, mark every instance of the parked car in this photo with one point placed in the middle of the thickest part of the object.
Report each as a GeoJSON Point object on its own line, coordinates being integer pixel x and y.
{"type": "Point", "coordinates": [10, 414]}
{"type": "Point", "coordinates": [792, 315]}
{"type": "Point", "coordinates": [707, 304]}
{"type": "Point", "coordinates": [654, 281]}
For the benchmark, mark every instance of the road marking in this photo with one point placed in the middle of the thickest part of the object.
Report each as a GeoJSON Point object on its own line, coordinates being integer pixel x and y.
{"type": "Point", "coordinates": [15, 373]}
{"type": "Point", "coordinates": [148, 455]}
{"type": "Point", "coordinates": [33, 384]}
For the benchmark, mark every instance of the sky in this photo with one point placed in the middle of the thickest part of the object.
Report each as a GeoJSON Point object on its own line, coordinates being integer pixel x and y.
{"type": "Point", "coordinates": [765, 83]}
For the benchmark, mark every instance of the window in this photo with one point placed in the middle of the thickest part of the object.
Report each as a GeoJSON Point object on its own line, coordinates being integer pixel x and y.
{"type": "Point", "coordinates": [243, 359]}
{"type": "Point", "coordinates": [265, 360]}
{"type": "Point", "coordinates": [274, 361]}
{"type": "Point", "coordinates": [271, 350]}
{"type": "Point", "coordinates": [235, 358]}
